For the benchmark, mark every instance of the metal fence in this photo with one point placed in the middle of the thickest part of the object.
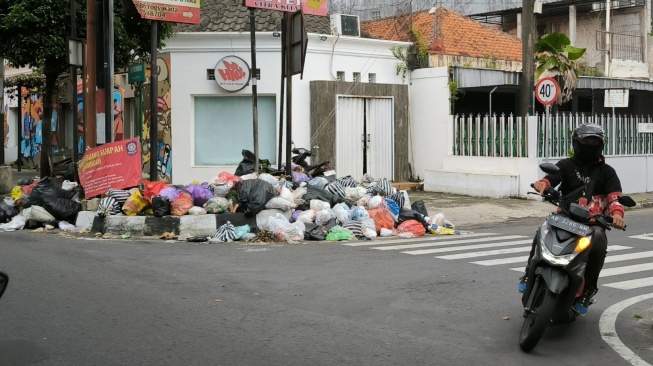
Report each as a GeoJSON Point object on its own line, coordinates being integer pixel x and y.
{"type": "Point", "coordinates": [623, 46]}
{"type": "Point", "coordinates": [507, 136]}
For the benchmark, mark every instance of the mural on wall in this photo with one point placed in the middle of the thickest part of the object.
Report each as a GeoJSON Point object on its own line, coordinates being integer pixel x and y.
{"type": "Point", "coordinates": [31, 116]}
{"type": "Point", "coordinates": [163, 152]}
{"type": "Point", "coordinates": [6, 122]}
{"type": "Point", "coordinates": [118, 112]}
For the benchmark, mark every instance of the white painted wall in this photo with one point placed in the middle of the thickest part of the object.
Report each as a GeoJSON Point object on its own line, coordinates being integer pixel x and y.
{"type": "Point", "coordinates": [191, 54]}
{"type": "Point", "coordinates": [432, 125]}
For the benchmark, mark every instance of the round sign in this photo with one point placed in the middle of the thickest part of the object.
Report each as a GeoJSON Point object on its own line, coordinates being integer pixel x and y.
{"type": "Point", "coordinates": [232, 73]}
{"type": "Point", "coordinates": [546, 91]}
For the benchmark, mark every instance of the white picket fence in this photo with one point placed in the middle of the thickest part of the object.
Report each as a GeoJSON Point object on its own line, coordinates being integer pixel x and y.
{"type": "Point", "coordinates": [508, 136]}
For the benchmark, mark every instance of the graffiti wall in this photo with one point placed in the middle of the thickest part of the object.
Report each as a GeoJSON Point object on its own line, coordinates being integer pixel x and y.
{"type": "Point", "coordinates": [163, 151]}
{"type": "Point", "coordinates": [118, 113]}
{"type": "Point", "coordinates": [31, 116]}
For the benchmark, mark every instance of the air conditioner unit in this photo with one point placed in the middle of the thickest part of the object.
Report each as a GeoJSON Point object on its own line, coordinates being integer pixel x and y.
{"type": "Point", "coordinates": [346, 25]}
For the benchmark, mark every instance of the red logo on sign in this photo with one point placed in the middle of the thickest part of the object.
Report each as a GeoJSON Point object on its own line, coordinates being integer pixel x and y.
{"type": "Point", "coordinates": [232, 72]}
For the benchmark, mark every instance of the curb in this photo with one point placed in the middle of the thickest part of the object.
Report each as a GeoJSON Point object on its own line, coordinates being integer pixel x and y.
{"type": "Point", "coordinates": [157, 226]}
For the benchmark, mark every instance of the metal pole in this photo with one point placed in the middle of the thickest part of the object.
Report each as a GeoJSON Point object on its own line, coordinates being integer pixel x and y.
{"type": "Point", "coordinates": [288, 37]}
{"type": "Point", "coordinates": [546, 135]}
{"type": "Point", "coordinates": [73, 82]}
{"type": "Point", "coordinates": [90, 85]}
{"type": "Point", "coordinates": [252, 33]}
{"type": "Point", "coordinates": [495, 88]}
{"type": "Point", "coordinates": [108, 71]}
{"type": "Point", "coordinates": [82, 139]}
{"type": "Point", "coordinates": [607, 38]}
{"type": "Point", "coordinates": [528, 69]}
{"type": "Point", "coordinates": [19, 127]}
{"type": "Point", "coordinates": [154, 111]}
{"type": "Point", "coordinates": [283, 86]}
{"type": "Point", "coordinates": [2, 109]}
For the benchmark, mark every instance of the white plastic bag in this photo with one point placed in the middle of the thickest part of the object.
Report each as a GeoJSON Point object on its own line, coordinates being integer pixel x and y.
{"type": "Point", "coordinates": [68, 185]}
{"type": "Point", "coordinates": [322, 216]}
{"type": "Point", "coordinates": [386, 232]}
{"type": "Point", "coordinates": [292, 233]}
{"type": "Point", "coordinates": [38, 214]}
{"type": "Point", "coordinates": [286, 194]}
{"type": "Point", "coordinates": [280, 204]}
{"type": "Point", "coordinates": [368, 224]}
{"type": "Point", "coordinates": [376, 201]}
{"type": "Point", "coordinates": [359, 213]}
{"type": "Point", "coordinates": [221, 190]}
{"type": "Point", "coordinates": [342, 211]}
{"type": "Point", "coordinates": [299, 193]}
{"type": "Point", "coordinates": [278, 221]}
{"type": "Point", "coordinates": [369, 233]}
{"type": "Point", "coordinates": [355, 193]}
{"type": "Point", "coordinates": [318, 205]}
{"type": "Point", "coordinates": [195, 211]}
{"type": "Point", "coordinates": [307, 216]}
{"type": "Point", "coordinates": [270, 179]}
{"type": "Point", "coordinates": [16, 223]}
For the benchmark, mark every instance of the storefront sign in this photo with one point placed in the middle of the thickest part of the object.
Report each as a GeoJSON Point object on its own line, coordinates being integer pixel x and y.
{"type": "Point", "coordinates": [115, 165]}
{"type": "Point", "coordinates": [308, 7]}
{"type": "Point", "coordinates": [232, 73]}
{"type": "Point", "coordinates": [177, 11]}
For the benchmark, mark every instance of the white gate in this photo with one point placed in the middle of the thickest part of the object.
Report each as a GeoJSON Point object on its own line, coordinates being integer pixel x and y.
{"type": "Point", "coordinates": [365, 137]}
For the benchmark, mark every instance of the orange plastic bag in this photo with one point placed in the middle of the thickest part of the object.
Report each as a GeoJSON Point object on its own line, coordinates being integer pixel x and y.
{"type": "Point", "coordinates": [383, 218]}
{"type": "Point", "coordinates": [28, 188]}
{"type": "Point", "coordinates": [152, 189]}
{"type": "Point", "coordinates": [411, 227]}
{"type": "Point", "coordinates": [135, 204]}
{"type": "Point", "coordinates": [182, 204]}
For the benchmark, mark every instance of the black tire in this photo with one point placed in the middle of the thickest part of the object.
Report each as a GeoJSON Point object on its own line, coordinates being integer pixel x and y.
{"type": "Point", "coordinates": [538, 320]}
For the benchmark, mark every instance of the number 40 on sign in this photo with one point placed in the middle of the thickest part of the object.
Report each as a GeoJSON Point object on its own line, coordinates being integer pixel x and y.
{"type": "Point", "coordinates": [546, 91]}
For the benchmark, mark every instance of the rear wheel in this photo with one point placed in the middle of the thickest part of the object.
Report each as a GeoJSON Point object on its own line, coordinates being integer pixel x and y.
{"type": "Point", "coordinates": [538, 319]}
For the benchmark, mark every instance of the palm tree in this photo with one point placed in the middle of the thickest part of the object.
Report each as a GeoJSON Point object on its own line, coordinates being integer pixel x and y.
{"type": "Point", "coordinates": [555, 57]}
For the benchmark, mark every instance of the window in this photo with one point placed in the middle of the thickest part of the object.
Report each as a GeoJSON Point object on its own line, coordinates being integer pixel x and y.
{"type": "Point", "coordinates": [357, 77]}
{"type": "Point", "coordinates": [340, 76]}
{"type": "Point", "coordinates": [371, 78]}
{"type": "Point", "coordinates": [223, 128]}
{"type": "Point", "coordinates": [376, 14]}
{"type": "Point", "coordinates": [210, 74]}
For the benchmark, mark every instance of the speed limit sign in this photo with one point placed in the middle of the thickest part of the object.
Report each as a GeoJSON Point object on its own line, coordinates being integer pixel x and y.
{"type": "Point", "coordinates": [546, 91]}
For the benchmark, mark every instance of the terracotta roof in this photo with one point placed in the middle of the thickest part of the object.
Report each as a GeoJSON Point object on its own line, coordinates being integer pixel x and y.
{"type": "Point", "coordinates": [448, 33]}
{"type": "Point", "coordinates": [233, 16]}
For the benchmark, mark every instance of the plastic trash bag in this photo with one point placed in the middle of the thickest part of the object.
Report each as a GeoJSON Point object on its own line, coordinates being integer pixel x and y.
{"type": "Point", "coordinates": [121, 196]}
{"type": "Point", "coordinates": [307, 216]}
{"type": "Point", "coordinates": [269, 178]}
{"type": "Point", "coordinates": [171, 193]}
{"type": "Point", "coordinates": [318, 182]}
{"type": "Point", "coordinates": [368, 224]}
{"type": "Point", "coordinates": [247, 165]}
{"type": "Point", "coordinates": [135, 204]}
{"type": "Point", "coordinates": [66, 226]}
{"type": "Point", "coordinates": [241, 231]}
{"type": "Point", "coordinates": [61, 208]}
{"type": "Point", "coordinates": [225, 178]}
{"type": "Point", "coordinates": [201, 194]}
{"type": "Point", "coordinates": [225, 233]}
{"type": "Point", "coordinates": [392, 206]}
{"type": "Point", "coordinates": [420, 207]}
{"type": "Point", "coordinates": [440, 230]}
{"type": "Point", "coordinates": [160, 206]}
{"type": "Point", "coordinates": [16, 223]}
{"type": "Point", "coordinates": [27, 181]}
{"type": "Point", "coordinates": [292, 232]}
{"type": "Point", "coordinates": [342, 211]}
{"type": "Point", "coordinates": [221, 190]}
{"type": "Point", "coordinates": [369, 233]}
{"type": "Point", "coordinates": [254, 194]}
{"type": "Point", "coordinates": [286, 194]}
{"type": "Point", "coordinates": [322, 216]}
{"type": "Point", "coordinates": [16, 192]}
{"type": "Point", "coordinates": [383, 218]}
{"type": "Point", "coordinates": [359, 213]}
{"type": "Point", "coordinates": [384, 233]}
{"type": "Point", "coordinates": [375, 202]}
{"type": "Point", "coordinates": [7, 212]}
{"type": "Point", "coordinates": [405, 215]}
{"type": "Point", "coordinates": [68, 185]}
{"type": "Point", "coordinates": [338, 233]}
{"type": "Point", "coordinates": [299, 177]}
{"type": "Point", "coordinates": [152, 189]}
{"type": "Point", "coordinates": [108, 206]}
{"type": "Point", "coordinates": [38, 214]}
{"type": "Point", "coordinates": [182, 204]}
{"type": "Point", "coordinates": [355, 193]}
{"type": "Point", "coordinates": [45, 188]}
{"type": "Point", "coordinates": [196, 211]}
{"type": "Point", "coordinates": [280, 204]}
{"type": "Point", "coordinates": [314, 232]}
{"type": "Point", "coordinates": [276, 222]}
{"type": "Point", "coordinates": [317, 205]}
{"type": "Point", "coordinates": [411, 229]}
{"type": "Point", "coordinates": [217, 205]}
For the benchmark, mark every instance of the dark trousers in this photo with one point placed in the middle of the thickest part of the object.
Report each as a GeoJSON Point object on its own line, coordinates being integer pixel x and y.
{"type": "Point", "coordinates": [595, 260]}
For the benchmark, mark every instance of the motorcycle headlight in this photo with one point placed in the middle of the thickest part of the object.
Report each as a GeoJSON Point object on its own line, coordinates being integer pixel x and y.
{"type": "Point", "coordinates": [557, 260]}
{"type": "Point", "coordinates": [583, 243]}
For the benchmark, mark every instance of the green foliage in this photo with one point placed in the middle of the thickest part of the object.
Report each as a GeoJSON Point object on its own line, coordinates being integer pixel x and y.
{"type": "Point", "coordinates": [401, 54]}
{"type": "Point", "coordinates": [584, 69]}
{"type": "Point", "coordinates": [557, 58]}
{"type": "Point", "coordinates": [491, 61]}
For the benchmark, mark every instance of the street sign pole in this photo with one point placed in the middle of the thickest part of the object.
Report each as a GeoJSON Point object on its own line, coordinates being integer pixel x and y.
{"type": "Point", "coordinates": [546, 92]}
{"type": "Point", "coordinates": [546, 134]}
{"type": "Point", "coordinates": [154, 111]}
{"type": "Point", "coordinates": [252, 32]}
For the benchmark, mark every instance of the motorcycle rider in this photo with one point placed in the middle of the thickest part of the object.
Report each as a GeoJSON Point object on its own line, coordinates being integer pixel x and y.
{"type": "Point", "coordinates": [587, 180]}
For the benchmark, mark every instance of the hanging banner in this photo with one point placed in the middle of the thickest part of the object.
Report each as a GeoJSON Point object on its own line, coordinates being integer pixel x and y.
{"type": "Point", "coordinates": [309, 7]}
{"type": "Point", "coordinates": [115, 165]}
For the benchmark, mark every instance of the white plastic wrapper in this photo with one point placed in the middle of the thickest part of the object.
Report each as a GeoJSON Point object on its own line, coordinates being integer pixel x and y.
{"type": "Point", "coordinates": [317, 205]}
{"type": "Point", "coordinates": [342, 211]}
{"type": "Point", "coordinates": [368, 224]}
{"type": "Point", "coordinates": [280, 204]}
{"type": "Point", "coordinates": [386, 232]}
{"type": "Point", "coordinates": [299, 192]}
{"type": "Point", "coordinates": [196, 211]}
{"type": "Point", "coordinates": [269, 178]}
{"type": "Point", "coordinates": [369, 233]}
{"type": "Point", "coordinates": [16, 223]}
{"type": "Point", "coordinates": [307, 216]}
{"type": "Point", "coordinates": [376, 201]}
{"type": "Point", "coordinates": [323, 216]}
{"type": "Point", "coordinates": [68, 185]}
{"type": "Point", "coordinates": [359, 213]}
{"type": "Point", "coordinates": [275, 223]}
{"type": "Point", "coordinates": [355, 193]}
{"type": "Point", "coordinates": [286, 194]}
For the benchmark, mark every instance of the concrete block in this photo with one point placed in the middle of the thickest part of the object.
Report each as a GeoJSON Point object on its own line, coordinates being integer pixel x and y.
{"type": "Point", "coordinates": [134, 225]}
{"type": "Point", "coordinates": [472, 184]}
{"type": "Point", "coordinates": [197, 225]}
{"type": "Point", "coordinates": [5, 179]}
{"type": "Point", "coordinates": [156, 226]}
{"type": "Point", "coordinates": [85, 220]}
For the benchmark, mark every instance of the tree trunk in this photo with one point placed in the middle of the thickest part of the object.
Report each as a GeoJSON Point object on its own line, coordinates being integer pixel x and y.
{"type": "Point", "coordinates": [46, 125]}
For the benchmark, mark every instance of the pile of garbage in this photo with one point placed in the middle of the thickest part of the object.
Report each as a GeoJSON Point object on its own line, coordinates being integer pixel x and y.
{"type": "Point", "coordinates": [40, 203]}
{"type": "Point", "coordinates": [320, 208]}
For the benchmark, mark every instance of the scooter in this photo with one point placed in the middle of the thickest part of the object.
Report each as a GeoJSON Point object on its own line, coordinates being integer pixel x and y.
{"type": "Point", "coordinates": [4, 280]}
{"type": "Point", "coordinates": [557, 269]}
{"type": "Point", "coordinates": [322, 169]}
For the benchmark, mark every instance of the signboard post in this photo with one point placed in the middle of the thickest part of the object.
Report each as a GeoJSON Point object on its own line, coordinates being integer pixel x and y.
{"type": "Point", "coordinates": [546, 92]}
{"type": "Point", "coordinates": [615, 98]}
{"type": "Point", "coordinates": [113, 165]}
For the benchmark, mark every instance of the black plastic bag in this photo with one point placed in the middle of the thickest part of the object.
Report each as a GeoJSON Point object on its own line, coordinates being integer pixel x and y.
{"type": "Point", "coordinates": [317, 193]}
{"type": "Point", "coordinates": [7, 212]}
{"type": "Point", "coordinates": [247, 165]}
{"type": "Point", "coordinates": [314, 232]}
{"type": "Point", "coordinates": [420, 207]}
{"type": "Point", "coordinates": [71, 173]}
{"type": "Point", "coordinates": [405, 215]}
{"type": "Point", "coordinates": [254, 194]}
{"type": "Point", "coordinates": [160, 206]}
{"type": "Point", "coordinates": [25, 181]}
{"type": "Point", "coordinates": [45, 188]}
{"type": "Point", "coordinates": [62, 209]}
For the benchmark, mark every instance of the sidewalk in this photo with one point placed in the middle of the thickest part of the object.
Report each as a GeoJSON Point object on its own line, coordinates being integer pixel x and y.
{"type": "Point", "coordinates": [463, 211]}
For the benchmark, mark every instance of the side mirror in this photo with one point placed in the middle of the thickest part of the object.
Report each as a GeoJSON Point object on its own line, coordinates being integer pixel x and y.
{"type": "Point", "coordinates": [627, 201]}
{"type": "Point", "coordinates": [549, 168]}
{"type": "Point", "coordinates": [4, 280]}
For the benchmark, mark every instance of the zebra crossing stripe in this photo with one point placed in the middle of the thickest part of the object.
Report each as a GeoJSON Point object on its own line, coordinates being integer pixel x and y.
{"type": "Point", "coordinates": [616, 271]}
{"type": "Point", "coordinates": [496, 262]}
{"type": "Point", "coordinates": [631, 284]}
{"type": "Point", "coordinates": [437, 244]}
{"type": "Point", "coordinates": [611, 248]}
{"type": "Point", "coordinates": [381, 241]}
{"type": "Point", "coordinates": [485, 253]}
{"type": "Point", "coordinates": [627, 257]}
{"type": "Point", "coordinates": [644, 236]}
{"type": "Point", "coordinates": [469, 247]}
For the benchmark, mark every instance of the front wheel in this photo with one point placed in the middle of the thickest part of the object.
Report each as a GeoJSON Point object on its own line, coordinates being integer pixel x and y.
{"type": "Point", "coordinates": [538, 319]}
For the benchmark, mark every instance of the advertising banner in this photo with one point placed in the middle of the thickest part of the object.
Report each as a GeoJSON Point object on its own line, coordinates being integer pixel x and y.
{"type": "Point", "coordinates": [115, 165]}
{"type": "Point", "coordinates": [308, 7]}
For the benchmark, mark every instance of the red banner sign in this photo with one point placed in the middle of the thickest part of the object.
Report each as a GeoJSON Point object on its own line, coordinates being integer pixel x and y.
{"type": "Point", "coordinates": [115, 165]}
{"type": "Point", "coordinates": [177, 11]}
{"type": "Point", "coordinates": [309, 7]}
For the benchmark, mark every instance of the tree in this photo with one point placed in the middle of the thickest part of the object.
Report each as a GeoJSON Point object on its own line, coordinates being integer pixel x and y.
{"type": "Point", "coordinates": [34, 33]}
{"type": "Point", "coordinates": [555, 57]}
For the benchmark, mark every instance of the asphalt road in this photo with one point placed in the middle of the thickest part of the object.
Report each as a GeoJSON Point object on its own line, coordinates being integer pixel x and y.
{"type": "Point", "coordinates": [99, 302]}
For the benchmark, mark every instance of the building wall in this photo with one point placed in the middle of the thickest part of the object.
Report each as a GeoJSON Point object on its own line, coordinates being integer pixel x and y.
{"type": "Point", "coordinates": [192, 54]}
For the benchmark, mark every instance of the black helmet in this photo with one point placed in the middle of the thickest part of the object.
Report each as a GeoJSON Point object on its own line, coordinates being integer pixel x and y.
{"type": "Point", "coordinates": [589, 130]}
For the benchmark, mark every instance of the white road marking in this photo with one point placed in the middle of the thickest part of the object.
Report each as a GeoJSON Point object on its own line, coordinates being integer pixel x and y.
{"type": "Point", "coordinates": [468, 247]}
{"type": "Point", "coordinates": [485, 254]}
{"type": "Point", "coordinates": [608, 329]}
{"type": "Point", "coordinates": [496, 262]}
{"type": "Point", "coordinates": [421, 239]}
{"type": "Point", "coordinates": [607, 272]}
{"type": "Point", "coordinates": [644, 236]}
{"type": "Point", "coordinates": [630, 284]}
{"type": "Point", "coordinates": [463, 241]}
{"type": "Point", "coordinates": [627, 257]}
